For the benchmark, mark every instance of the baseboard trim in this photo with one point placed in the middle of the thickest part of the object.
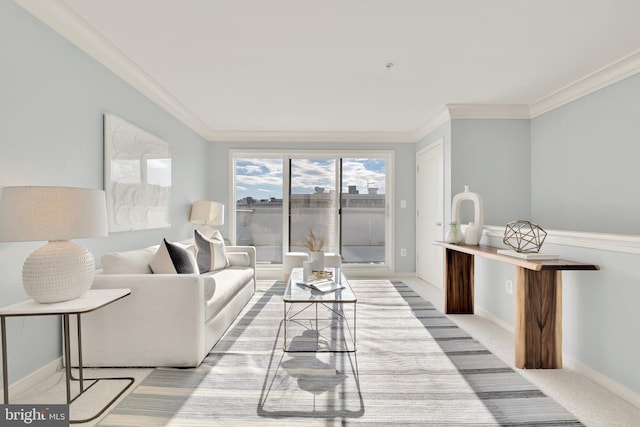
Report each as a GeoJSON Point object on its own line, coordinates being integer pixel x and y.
{"type": "Point", "coordinates": [489, 316]}
{"type": "Point", "coordinates": [602, 380]}
{"type": "Point", "coordinates": [574, 365]}
{"type": "Point", "coordinates": [33, 379]}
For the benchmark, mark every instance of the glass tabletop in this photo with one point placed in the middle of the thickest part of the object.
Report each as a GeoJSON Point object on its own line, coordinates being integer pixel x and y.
{"type": "Point", "coordinates": [295, 293]}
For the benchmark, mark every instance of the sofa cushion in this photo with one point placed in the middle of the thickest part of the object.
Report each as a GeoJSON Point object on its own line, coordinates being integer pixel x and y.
{"type": "Point", "coordinates": [211, 254]}
{"type": "Point", "coordinates": [129, 262]}
{"type": "Point", "coordinates": [172, 258]}
{"type": "Point", "coordinates": [228, 282]}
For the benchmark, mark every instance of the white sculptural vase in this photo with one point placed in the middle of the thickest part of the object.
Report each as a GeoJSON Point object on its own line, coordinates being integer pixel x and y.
{"type": "Point", "coordinates": [473, 232]}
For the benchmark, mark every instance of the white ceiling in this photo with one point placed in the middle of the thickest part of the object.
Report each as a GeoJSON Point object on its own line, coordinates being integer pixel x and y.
{"type": "Point", "coordinates": [245, 68]}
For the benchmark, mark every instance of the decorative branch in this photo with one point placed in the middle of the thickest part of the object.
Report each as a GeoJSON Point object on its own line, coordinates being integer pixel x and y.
{"type": "Point", "coordinates": [314, 242]}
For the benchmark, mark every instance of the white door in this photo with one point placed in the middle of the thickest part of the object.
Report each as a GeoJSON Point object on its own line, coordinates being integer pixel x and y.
{"type": "Point", "coordinates": [430, 213]}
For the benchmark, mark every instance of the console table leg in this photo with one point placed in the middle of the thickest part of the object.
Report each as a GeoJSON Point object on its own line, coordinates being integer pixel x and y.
{"type": "Point", "coordinates": [458, 288]}
{"type": "Point", "coordinates": [538, 322]}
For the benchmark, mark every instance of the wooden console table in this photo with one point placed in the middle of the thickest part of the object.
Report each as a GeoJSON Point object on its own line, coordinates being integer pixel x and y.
{"type": "Point", "coordinates": [538, 314]}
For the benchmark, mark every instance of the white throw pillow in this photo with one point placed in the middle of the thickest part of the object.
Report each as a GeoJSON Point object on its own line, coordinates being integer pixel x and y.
{"type": "Point", "coordinates": [129, 262]}
{"type": "Point", "coordinates": [211, 254]}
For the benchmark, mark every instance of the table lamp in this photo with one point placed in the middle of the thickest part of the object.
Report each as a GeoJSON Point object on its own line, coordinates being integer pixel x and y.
{"type": "Point", "coordinates": [206, 214]}
{"type": "Point", "coordinates": [60, 270]}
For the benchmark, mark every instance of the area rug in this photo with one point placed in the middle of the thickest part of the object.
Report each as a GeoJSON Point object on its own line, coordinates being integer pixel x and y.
{"type": "Point", "coordinates": [413, 366]}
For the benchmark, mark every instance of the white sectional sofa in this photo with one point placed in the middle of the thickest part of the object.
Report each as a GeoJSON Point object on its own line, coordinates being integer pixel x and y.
{"type": "Point", "coordinates": [169, 319]}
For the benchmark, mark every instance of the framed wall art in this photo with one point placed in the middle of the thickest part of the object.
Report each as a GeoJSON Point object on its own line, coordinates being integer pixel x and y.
{"type": "Point", "coordinates": [137, 177]}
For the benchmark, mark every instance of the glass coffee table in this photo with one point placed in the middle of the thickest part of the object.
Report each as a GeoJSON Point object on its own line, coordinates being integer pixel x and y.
{"type": "Point", "coordinates": [329, 332]}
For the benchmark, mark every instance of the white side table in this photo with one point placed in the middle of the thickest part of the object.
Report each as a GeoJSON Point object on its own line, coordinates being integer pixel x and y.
{"type": "Point", "coordinates": [93, 299]}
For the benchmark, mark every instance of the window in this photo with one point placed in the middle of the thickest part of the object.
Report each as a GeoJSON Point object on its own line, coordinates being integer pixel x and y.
{"type": "Point", "coordinates": [259, 208]}
{"type": "Point", "coordinates": [363, 209]}
{"type": "Point", "coordinates": [313, 202]}
{"type": "Point", "coordinates": [341, 196]}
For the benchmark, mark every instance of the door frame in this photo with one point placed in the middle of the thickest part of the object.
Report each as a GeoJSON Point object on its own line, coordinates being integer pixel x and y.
{"type": "Point", "coordinates": [437, 144]}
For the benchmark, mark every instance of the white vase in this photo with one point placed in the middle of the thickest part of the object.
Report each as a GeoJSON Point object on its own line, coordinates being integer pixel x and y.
{"type": "Point", "coordinates": [317, 258]}
{"type": "Point", "coordinates": [473, 232]}
{"type": "Point", "coordinates": [471, 235]}
{"type": "Point", "coordinates": [307, 270]}
{"type": "Point", "coordinates": [454, 235]}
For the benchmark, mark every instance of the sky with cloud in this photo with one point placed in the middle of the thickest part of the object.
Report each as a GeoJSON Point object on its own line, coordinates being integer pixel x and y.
{"type": "Point", "coordinates": [262, 178]}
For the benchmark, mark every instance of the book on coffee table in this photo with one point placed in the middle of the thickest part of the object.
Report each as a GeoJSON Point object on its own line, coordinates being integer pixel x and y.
{"type": "Point", "coordinates": [321, 285]}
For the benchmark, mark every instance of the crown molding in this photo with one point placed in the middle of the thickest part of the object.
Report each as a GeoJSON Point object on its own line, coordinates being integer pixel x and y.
{"type": "Point", "coordinates": [270, 136]}
{"type": "Point", "coordinates": [472, 111]}
{"type": "Point", "coordinates": [60, 17]}
{"type": "Point", "coordinates": [489, 111]}
{"type": "Point", "coordinates": [437, 120]}
{"type": "Point", "coordinates": [606, 76]}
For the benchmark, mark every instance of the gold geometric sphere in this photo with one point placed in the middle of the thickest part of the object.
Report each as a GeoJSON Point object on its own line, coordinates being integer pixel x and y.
{"type": "Point", "coordinates": [524, 236]}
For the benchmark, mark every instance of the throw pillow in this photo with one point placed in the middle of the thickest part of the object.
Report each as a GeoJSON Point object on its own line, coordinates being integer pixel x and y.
{"type": "Point", "coordinates": [172, 258]}
{"type": "Point", "coordinates": [212, 254]}
{"type": "Point", "coordinates": [129, 262]}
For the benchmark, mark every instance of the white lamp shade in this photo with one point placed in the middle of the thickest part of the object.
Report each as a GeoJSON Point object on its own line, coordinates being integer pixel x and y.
{"type": "Point", "coordinates": [60, 270]}
{"type": "Point", "coordinates": [207, 213]}
{"type": "Point", "coordinates": [51, 213]}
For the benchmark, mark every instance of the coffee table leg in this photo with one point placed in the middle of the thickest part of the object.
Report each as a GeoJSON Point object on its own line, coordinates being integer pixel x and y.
{"type": "Point", "coordinates": [284, 347]}
{"type": "Point", "coordinates": [355, 327]}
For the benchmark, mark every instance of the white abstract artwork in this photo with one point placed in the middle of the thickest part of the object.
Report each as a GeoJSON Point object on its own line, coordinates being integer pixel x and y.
{"type": "Point", "coordinates": [137, 177]}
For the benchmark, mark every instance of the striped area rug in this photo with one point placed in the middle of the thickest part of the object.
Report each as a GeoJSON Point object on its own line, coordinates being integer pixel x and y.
{"type": "Point", "coordinates": [413, 366]}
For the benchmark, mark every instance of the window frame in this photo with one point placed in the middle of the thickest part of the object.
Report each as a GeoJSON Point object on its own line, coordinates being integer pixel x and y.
{"type": "Point", "coordinates": [285, 155]}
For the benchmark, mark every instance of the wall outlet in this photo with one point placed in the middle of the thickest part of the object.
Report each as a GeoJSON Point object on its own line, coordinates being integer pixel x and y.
{"type": "Point", "coordinates": [508, 287]}
{"type": "Point", "coordinates": [403, 204]}
{"type": "Point", "coordinates": [403, 252]}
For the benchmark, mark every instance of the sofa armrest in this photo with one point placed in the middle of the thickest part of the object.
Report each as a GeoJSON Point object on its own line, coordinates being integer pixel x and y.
{"type": "Point", "coordinates": [161, 323]}
{"type": "Point", "coordinates": [250, 250]}
{"type": "Point", "coordinates": [159, 295]}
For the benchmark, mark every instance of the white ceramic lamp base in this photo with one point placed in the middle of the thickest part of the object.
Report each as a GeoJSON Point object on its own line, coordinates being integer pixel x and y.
{"type": "Point", "coordinates": [58, 271]}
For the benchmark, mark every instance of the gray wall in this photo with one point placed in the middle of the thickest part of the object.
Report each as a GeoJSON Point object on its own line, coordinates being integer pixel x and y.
{"type": "Point", "coordinates": [570, 169]}
{"type": "Point", "coordinates": [51, 111]}
{"type": "Point", "coordinates": [492, 157]}
{"type": "Point", "coordinates": [585, 172]}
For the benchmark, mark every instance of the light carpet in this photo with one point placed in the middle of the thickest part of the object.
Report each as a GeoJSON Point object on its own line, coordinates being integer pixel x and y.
{"type": "Point", "coordinates": [413, 366]}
